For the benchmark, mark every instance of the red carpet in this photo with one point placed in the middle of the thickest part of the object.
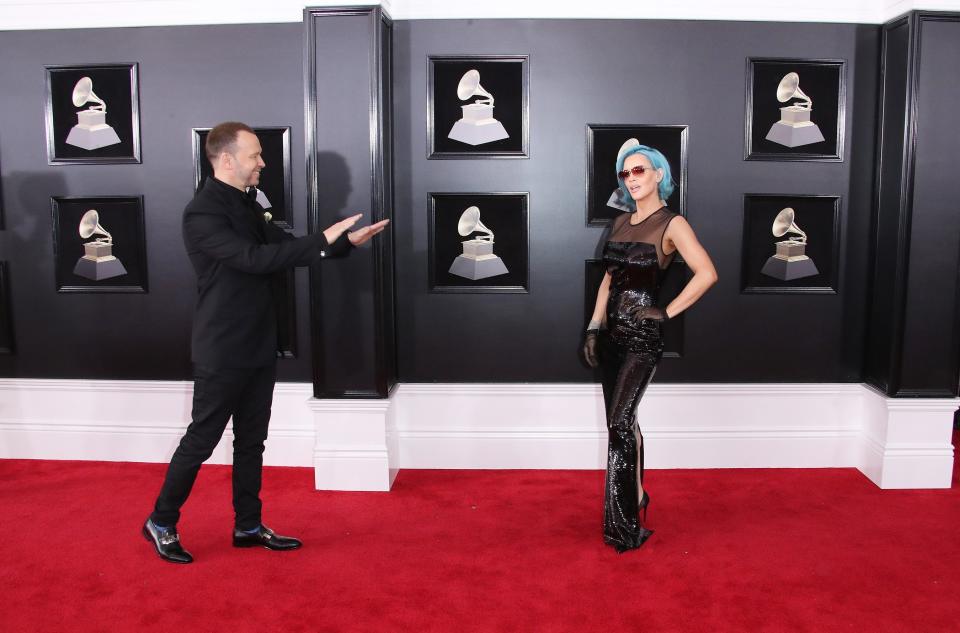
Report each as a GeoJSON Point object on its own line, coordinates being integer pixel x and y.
{"type": "Point", "coordinates": [734, 550]}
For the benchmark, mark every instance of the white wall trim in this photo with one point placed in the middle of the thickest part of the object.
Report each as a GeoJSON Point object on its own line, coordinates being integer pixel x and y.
{"type": "Point", "coordinates": [360, 444]}
{"type": "Point", "coordinates": [74, 14]}
{"type": "Point", "coordinates": [134, 420]}
{"type": "Point", "coordinates": [684, 426]}
{"type": "Point", "coordinates": [355, 444]}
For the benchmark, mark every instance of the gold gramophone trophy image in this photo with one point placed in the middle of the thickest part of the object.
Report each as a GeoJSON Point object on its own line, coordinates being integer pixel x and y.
{"type": "Point", "coordinates": [794, 127]}
{"type": "Point", "coordinates": [477, 126]}
{"type": "Point", "coordinates": [91, 130]}
{"type": "Point", "coordinates": [790, 261]}
{"type": "Point", "coordinates": [98, 262]}
{"type": "Point", "coordinates": [619, 200]}
{"type": "Point", "coordinates": [477, 260]}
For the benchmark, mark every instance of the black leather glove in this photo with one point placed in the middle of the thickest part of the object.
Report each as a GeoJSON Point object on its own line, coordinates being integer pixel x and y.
{"type": "Point", "coordinates": [649, 312]}
{"type": "Point", "coordinates": [590, 348]}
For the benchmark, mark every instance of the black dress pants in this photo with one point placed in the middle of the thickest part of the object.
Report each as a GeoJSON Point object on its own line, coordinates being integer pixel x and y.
{"type": "Point", "coordinates": [625, 376]}
{"type": "Point", "coordinates": [218, 394]}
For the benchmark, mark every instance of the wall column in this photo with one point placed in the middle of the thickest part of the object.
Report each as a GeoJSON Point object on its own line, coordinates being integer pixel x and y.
{"type": "Point", "coordinates": [349, 170]}
{"type": "Point", "coordinates": [913, 339]}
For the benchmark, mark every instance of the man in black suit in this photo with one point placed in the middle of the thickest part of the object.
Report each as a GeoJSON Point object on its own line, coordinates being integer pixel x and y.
{"type": "Point", "coordinates": [236, 253]}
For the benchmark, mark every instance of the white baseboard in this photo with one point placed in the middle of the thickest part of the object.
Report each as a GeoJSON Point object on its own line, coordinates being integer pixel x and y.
{"type": "Point", "coordinates": [360, 444]}
{"type": "Point", "coordinates": [684, 426]}
{"type": "Point", "coordinates": [133, 421]}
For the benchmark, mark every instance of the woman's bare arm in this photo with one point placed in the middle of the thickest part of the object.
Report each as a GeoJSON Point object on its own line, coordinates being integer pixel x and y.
{"type": "Point", "coordinates": [681, 236]}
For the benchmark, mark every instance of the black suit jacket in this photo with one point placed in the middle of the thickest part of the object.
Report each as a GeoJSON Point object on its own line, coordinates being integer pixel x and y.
{"type": "Point", "coordinates": [236, 254]}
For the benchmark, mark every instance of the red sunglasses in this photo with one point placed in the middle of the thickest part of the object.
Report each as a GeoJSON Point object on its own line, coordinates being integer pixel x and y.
{"type": "Point", "coordinates": [639, 170]}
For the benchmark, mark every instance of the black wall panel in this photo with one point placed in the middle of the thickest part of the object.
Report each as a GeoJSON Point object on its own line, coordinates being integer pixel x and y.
{"type": "Point", "coordinates": [891, 221]}
{"type": "Point", "coordinates": [189, 77]}
{"type": "Point", "coordinates": [913, 346]}
{"type": "Point", "coordinates": [863, 85]}
{"type": "Point", "coordinates": [930, 329]}
{"type": "Point", "coordinates": [342, 76]}
{"type": "Point", "coordinates": [639, 72]}
{"type": "Point", "coordinates": [352, 298]}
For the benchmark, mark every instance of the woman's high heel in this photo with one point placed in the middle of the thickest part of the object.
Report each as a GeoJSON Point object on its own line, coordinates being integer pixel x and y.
{"type": "Point", "coordinates": [644, 502]}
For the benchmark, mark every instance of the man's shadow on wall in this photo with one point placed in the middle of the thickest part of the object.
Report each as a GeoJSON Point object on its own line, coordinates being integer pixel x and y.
{"type": "Point", "coordinates": [27, 248]}
{"type": "Point", "coordinates": [341, 290]}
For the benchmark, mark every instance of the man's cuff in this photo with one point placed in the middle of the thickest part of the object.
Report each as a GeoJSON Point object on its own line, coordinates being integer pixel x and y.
{"type": "Point", "coordinates": [340, 247]}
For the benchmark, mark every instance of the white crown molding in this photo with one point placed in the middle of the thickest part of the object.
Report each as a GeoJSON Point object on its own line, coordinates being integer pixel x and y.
{"type": "Point", "coordinates": [895, 8]}
{"type": "Point", "coordinates": [82, 14]}
{"type": "Point", "coordinates": [744, 10]}
{"type": "Point", "coordinates": [76, 14]}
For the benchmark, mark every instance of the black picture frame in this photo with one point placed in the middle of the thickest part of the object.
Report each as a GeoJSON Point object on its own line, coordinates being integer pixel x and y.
{"type": "Point", "coordinates": [822, 80]}
{"type": "Point", "coordinates": [673, 282]}
{"type": "Point", "coordinates": [276, 184]}
{"type": "Point", "coordinates": [3, 213]}
{"type": "Point", "coordinates": [506, 77]}
{"type": "Point", "coordinates": [117, 86]}
{"type": "Point", "coordinates": [122, 217]}
{"type": "Point", "coordinates": [817, 215]}
{"type": "Point", "coordinates": [506, 213]}
{"type": "Point", "coordinates": [603, 143]}
{"type": "Point", "coordinates": [7, 345]}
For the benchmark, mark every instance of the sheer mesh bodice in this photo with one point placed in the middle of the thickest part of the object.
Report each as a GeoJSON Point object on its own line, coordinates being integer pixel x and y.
{"type": "Point", "coordinates": [650, 231]}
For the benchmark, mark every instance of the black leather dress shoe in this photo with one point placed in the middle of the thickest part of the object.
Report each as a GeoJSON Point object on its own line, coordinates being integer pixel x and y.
{"type": "Point", "coordinates": [264, 536]}
{"type": "Point", "coordinates": [167, 543]}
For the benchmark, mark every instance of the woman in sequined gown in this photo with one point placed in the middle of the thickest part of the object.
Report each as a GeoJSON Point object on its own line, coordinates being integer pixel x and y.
{"type": "Point", "coordinates": [639, 248]}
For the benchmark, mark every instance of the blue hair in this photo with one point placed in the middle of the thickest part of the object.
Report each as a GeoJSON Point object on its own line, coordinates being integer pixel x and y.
{"type": "Point", "coordinates": [658, 161]}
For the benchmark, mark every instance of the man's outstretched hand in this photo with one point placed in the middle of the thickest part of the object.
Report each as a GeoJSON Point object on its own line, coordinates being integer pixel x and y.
{"type": "Point", "coordinates": [361, 236]}
{"type": "Point", "coordinates": [358, 237]}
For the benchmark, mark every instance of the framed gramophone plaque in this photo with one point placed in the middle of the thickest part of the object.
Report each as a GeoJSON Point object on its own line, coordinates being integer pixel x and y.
{"type": "Point", "coordinates": [794, 109]}
{"type": "Point", "coordinates": [99, 244]}
{"type": "Point", "coordinates": [478, 106]}
{"type": "Point", "coordinates": [275, 191]}
{"type": "Point", "coordinates": [605, 199]}
{"type": "Point", "coordinates": [479, 242]}
{"type": "Point", "coordinates": [791, 244]}
{"type": "Point", "coordinates": [92, 114]}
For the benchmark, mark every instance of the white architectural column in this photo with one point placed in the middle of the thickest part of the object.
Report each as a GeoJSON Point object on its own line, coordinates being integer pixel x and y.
{"type": "Point", "coordinates": [907, 442]}
{"type": "Point", "coordinates": [356, 444]}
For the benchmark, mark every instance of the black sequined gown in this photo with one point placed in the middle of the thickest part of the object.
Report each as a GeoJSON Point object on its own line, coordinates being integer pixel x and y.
{"type": "Point", "coordinates": [633, 255]}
